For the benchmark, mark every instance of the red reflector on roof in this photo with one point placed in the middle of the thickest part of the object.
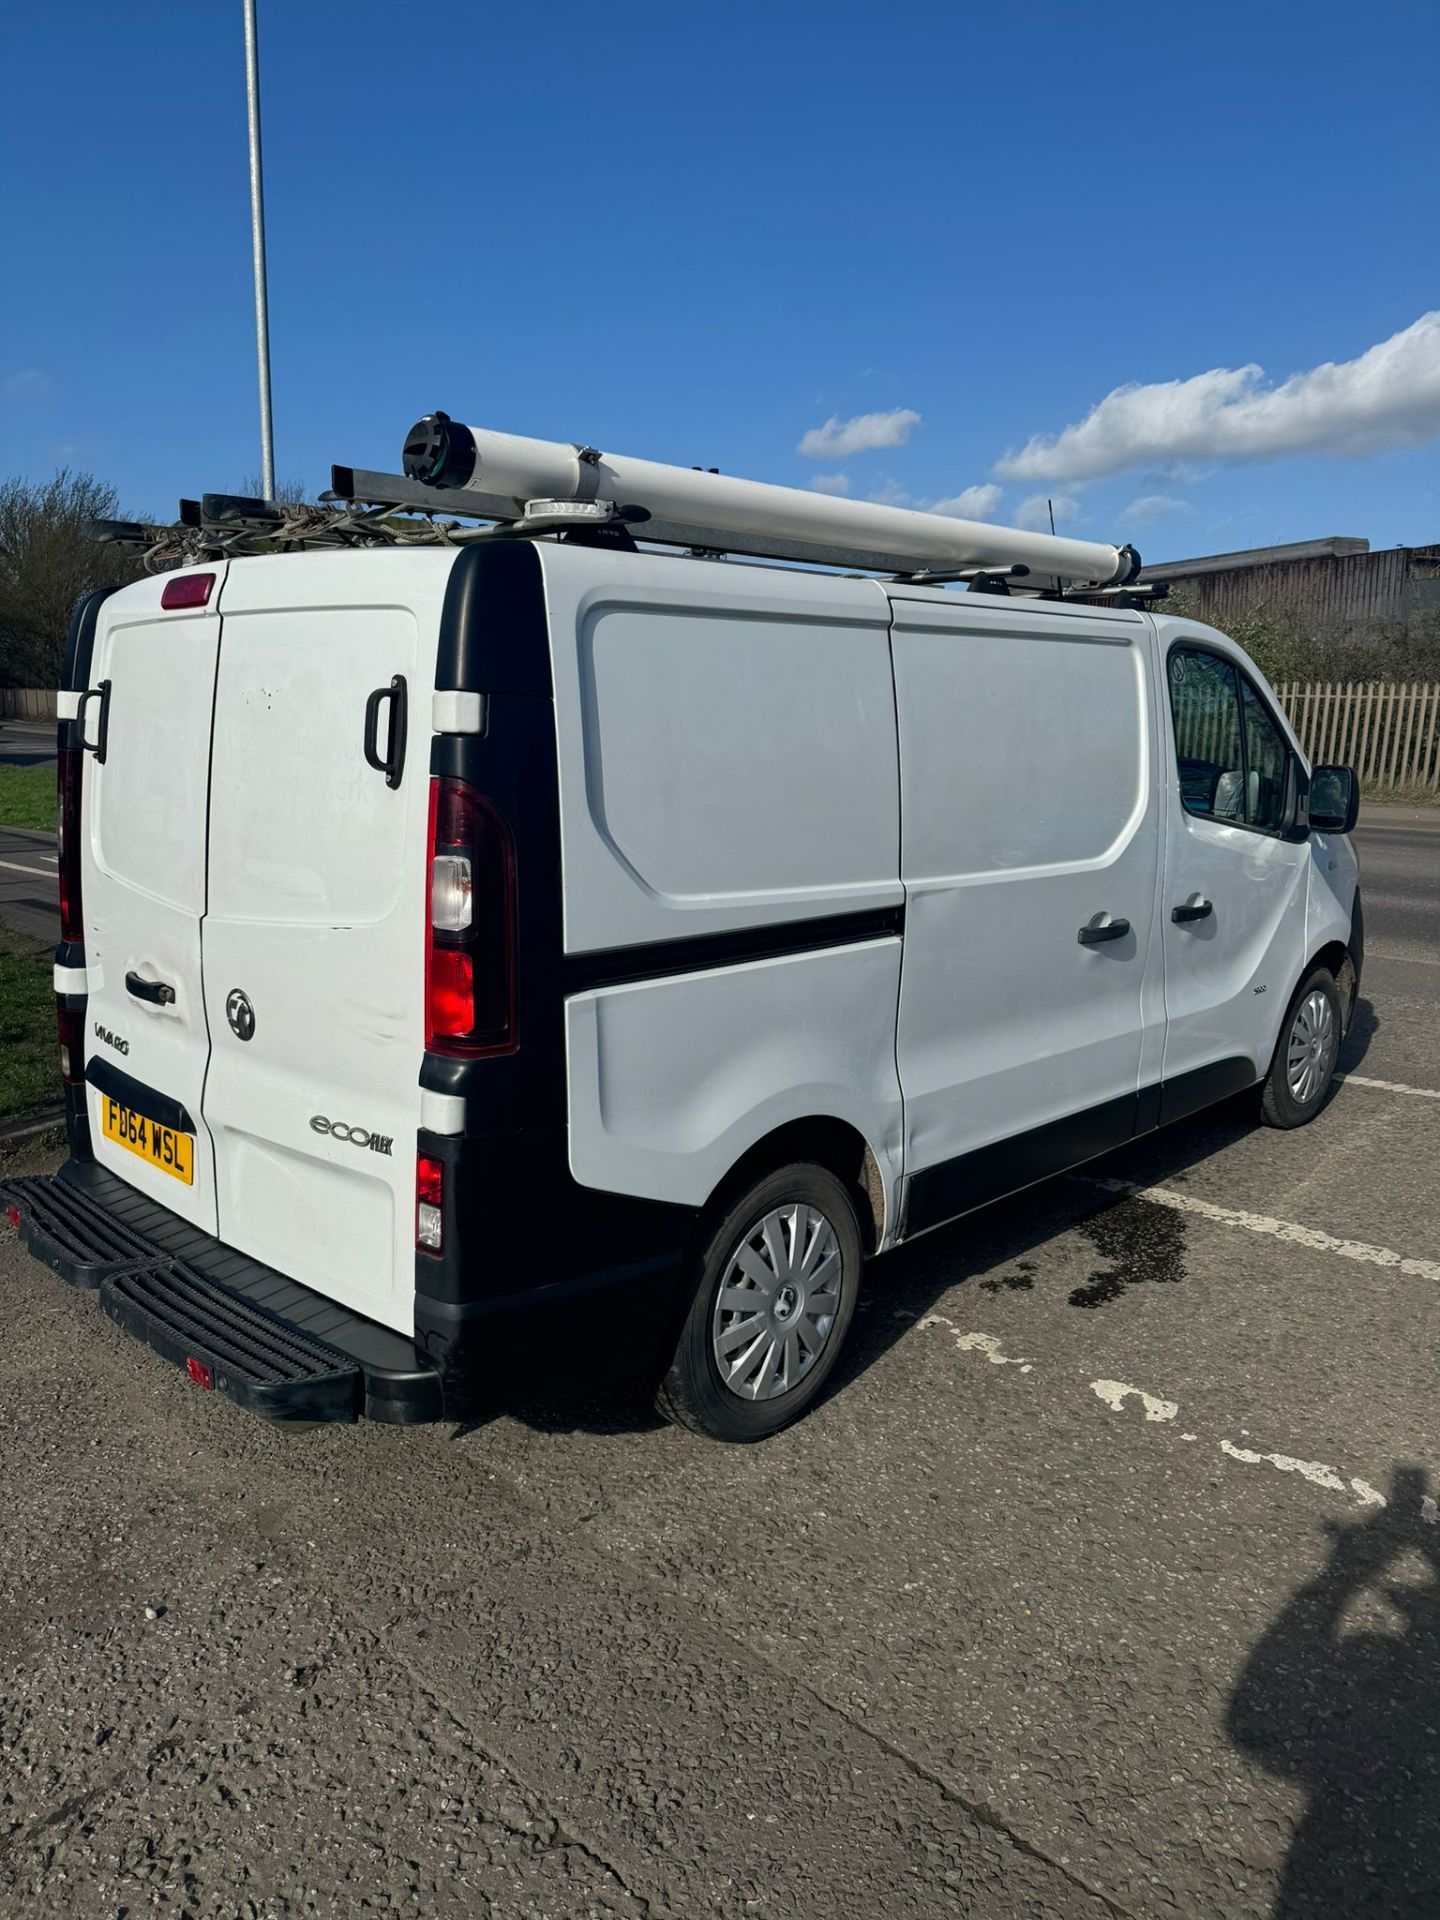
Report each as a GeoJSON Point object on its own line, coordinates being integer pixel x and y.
{"type": "Point", "coordinates": [188, 590]}
{"type": "Point", "coordinates": [199, 1373]}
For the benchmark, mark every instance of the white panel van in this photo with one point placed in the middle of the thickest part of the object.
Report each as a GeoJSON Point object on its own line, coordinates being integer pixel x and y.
{"type": "Point", "coordinates": [499, 965]}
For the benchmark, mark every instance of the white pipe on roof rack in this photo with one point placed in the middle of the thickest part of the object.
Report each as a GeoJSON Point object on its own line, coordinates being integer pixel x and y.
{"type": "Point", "coordinates": [442, 453]}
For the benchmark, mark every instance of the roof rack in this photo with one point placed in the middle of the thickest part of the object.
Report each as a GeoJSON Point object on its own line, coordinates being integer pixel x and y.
{"type": "Point", "coordinates": [700, 507]}
{"type": "Point", "coordinates": [465, 484]}
{"type": "Point", "coordinates": [396, 492]}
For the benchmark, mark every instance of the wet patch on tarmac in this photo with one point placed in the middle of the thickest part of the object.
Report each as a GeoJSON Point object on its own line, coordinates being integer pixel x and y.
{"type": "Point", "coordinates": [1140, 1243]}
{"type": "Point", "coordinates": [1020, 1281]}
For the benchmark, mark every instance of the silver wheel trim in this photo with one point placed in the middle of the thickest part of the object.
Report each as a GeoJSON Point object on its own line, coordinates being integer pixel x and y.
{"type": "Point", "coordinates": [777, 1302]}
{"type": "Point", "coordinates": [1310, 1051]}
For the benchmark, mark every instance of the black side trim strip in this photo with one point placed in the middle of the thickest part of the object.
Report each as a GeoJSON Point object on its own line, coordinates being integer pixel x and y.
{"type": "Point", "coordinates": [134, 1094]}
{"type": "Point", "coordinates": [619, 966]}
{"type": "Point", "coordinates": [1188, 1092]}
{"type": "Point", "coordinates": [971, 1180]}
{"type": "Point", "coordinates": [954, 1187]}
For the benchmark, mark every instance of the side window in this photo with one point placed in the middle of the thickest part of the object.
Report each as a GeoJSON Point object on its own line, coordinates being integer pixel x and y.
{"type": "Point", "coordinates": [1266, 756]}
{"type": "Point", "coordinates": [1205, 702]}
{"type": "Point", "coordinates": [1232, 756]}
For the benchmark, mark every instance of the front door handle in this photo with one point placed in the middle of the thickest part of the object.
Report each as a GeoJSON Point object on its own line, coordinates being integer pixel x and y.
{"type": "Point", "coordinates": [159, 993]}
{"type": "Point", "coordinates": [1101, 929]}
{"type": "Point", "coordinates": [1196, 909]}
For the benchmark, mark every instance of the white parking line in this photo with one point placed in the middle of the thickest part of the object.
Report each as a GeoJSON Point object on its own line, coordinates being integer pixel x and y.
{"type": "Point", "coordinates": [1388, 1086]}
{"type": "Point", "coordinates": [1315, 1471]}
{"type": "Point", "coordinates": [1264, 1223]}
{"type": "Point", "coordinates": [41, 873]}
{"type": "Point", "coordinates": [1115, 1393]}
{"type": "Point", "coordinates": [1160, 1412]}
{"type": "Point", "coordinates": [985, 1343]}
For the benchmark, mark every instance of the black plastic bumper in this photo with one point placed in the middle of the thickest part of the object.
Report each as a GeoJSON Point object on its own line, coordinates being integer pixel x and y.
{"type": "Point", "coordinates": [275, 1347]}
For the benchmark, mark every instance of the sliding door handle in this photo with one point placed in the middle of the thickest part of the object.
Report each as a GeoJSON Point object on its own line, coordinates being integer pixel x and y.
{"type": "Point", "coordinates": [1196, 909]}
{"type": "Point", "coordinates": [1101, 929]}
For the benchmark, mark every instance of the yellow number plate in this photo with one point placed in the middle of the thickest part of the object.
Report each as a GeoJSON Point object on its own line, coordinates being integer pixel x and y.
{"type": "Point", "coordinates": [162, 1147]}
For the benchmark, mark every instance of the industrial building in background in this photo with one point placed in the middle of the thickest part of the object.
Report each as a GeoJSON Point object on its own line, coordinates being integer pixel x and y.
{"type": "Point", "coordinates": [1336, 582]}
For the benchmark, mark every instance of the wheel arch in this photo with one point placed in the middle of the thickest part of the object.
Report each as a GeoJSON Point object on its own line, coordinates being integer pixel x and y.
{"type": "Point", "coordinates": [1335, 957]}
{"type": "Point", "coordinates": [834, 1144]}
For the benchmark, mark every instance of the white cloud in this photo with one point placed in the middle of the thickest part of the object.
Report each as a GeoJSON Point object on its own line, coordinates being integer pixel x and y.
{"type": "Point", "coordinates": [1388, 397]}
{"type": "Point", "coordinates": [831, 483]}
{"type": "Point", "coordinates": [890, 493]}
{"type": "Point", "coordinates": [29, 383]}
{"type": "Point", "coordinates": [1154, 506]}
{"type": "Point", "coordinates": [837, 437]}
{"type": "Point", "coordinates": [1034, 513]}
{"type": "Point", "coordinates": [973, 503]}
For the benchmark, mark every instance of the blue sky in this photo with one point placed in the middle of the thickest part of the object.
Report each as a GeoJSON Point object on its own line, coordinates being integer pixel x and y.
{"type": "Point", "coordinates": [700, 233]}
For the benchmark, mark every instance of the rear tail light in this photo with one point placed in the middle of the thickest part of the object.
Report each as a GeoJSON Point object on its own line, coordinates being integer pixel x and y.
{"type": "Point", "coordinates": [71, 1022]}
{"type": "Point", "coordinates": [429, 1203]}
{"type": "Point", "coordinates": [69, 776]}
{"type": "Point", "coordinates": [470, 944]}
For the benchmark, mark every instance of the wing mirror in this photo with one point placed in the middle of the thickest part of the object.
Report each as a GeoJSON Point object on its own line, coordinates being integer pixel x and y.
{"type": "Point", "coordinates": [1334, 799]}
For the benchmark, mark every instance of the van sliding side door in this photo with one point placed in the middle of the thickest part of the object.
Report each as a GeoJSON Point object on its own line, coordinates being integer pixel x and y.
{"type": "Point", "coordinates": [1029, 998]}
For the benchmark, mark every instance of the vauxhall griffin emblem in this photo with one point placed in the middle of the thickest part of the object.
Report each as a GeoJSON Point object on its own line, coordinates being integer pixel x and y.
{"type": "Point", "coordinates": [240, 1014]}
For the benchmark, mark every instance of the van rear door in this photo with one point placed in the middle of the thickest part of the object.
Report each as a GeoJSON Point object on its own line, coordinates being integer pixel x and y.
{"type": "Point", "coordinates": [146, 718]}
{"type": "Point", "coordinates": [316, 931]}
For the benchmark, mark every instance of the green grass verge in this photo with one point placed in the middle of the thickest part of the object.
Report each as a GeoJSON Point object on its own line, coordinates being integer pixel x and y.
{"type": "Point", "coordinates": [27, 798]}
{"type": "Point", "coordinates": [29, 1060]}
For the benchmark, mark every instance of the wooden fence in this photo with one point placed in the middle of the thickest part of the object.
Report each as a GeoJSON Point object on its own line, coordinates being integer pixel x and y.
{"type": "Point", "coordinates": [26, 703]}
{"type": "Point", "coordinates": [1388, 730]}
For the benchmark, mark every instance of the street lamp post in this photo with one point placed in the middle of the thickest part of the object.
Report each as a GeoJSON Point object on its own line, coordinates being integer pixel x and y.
{"type": "Point", "coordinates": [257, 236]}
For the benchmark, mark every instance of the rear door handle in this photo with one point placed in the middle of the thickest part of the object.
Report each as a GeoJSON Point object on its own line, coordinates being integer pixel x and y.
{"type": "Point", "coordinates": [159, 993]}
{"type": "Point", "coordinates": [393, 763]}
{"type": "Point", "coordinates": [1103, 929]}
{"type": "Point", "coordinates": [102, 732]}
{"type": "Point", "coordinates": [1196, 909]}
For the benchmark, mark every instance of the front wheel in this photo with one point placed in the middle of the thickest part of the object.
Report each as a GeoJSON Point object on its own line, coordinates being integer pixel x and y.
{"type": "Point", "coordinates": [779, 1272]}
{"type": "Point", "coordinates": [1305, 1055]}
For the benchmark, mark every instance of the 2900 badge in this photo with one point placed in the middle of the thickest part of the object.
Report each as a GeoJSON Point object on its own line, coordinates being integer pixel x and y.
{"type": "Point", "coordinates": [356, 1136]}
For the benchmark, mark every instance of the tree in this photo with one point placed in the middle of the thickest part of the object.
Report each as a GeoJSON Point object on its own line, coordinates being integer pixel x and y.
{"type": "Point", "coordinates": [1287, 646]}
{"type": "Point", "coordinates": [288, 493]}
{"type": "Point", "coordinates": [47, 560]}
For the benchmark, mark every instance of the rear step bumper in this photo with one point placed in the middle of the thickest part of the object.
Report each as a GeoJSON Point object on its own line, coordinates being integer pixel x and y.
{"type": "Point", "coordinates": [274, 1347]}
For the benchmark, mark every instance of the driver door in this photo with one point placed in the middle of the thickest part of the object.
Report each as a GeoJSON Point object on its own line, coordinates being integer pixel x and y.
{"type": "Point", "coordinates": [1233, 923]}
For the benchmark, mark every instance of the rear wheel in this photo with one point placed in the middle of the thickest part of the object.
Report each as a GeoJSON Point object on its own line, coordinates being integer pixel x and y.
{"type": "Point", "coordinates": [779, 1271]}
{"type": "Point", "coordinates": [1309, 1045]}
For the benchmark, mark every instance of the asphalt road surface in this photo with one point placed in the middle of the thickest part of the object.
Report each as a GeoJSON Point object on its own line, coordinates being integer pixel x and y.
{"type": "Point", "coordinates": [1105, 1582]}
{"type": "Point", "coordinates": [27, 743]}
{"type": "Point", "coordinates": [28, 903]}
{"type": "Point", "coordinates": [29, 900]}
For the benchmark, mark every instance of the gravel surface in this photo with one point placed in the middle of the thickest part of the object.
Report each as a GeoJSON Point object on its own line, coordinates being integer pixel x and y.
{"type": "Point", "coordinates": [1106, 1581]}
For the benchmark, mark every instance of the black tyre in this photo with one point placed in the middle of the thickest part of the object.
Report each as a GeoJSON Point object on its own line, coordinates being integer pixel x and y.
{"type": "Point", "coordinates": [1294, 1090]}
{"type": "Point", "coordinates": [778, 1274]}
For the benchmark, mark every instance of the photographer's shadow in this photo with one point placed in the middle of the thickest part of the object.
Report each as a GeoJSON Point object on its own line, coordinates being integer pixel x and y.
{"type": "Point", "coordinates": [1352, 1714]}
